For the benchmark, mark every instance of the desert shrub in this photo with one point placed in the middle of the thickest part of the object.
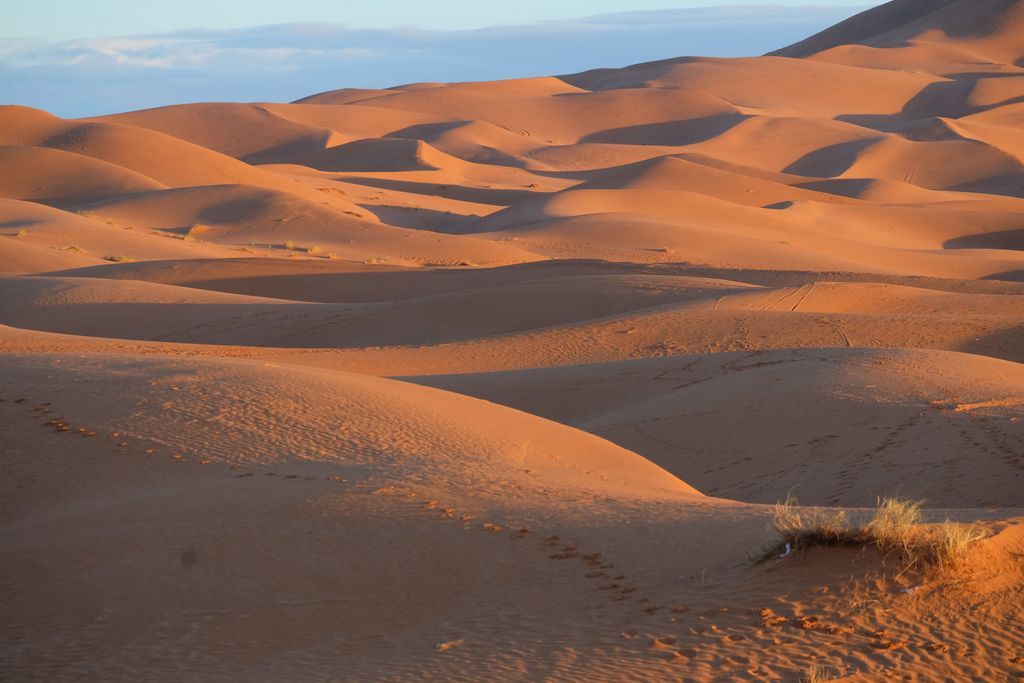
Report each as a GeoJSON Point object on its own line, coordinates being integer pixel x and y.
{"type": "Point", "coordinates": [118, 259]}
{"type": "Point", "coordinates": [949, 546]}
{"type": "Point", "coordinates": [895, 526]}
{"type": "Point", "coordinates": [818, 673]}
{"type": "Point", "coordinates": [801, 527]}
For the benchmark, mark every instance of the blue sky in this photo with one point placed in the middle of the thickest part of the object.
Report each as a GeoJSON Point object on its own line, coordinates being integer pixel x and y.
{"type": "Point", "coordinates": [80, 18]}
{"type": "Point", "coordinates": [87, 58]}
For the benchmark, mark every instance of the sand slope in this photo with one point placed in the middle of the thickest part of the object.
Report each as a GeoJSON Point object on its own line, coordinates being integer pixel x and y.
{"type": "Point", "coordinates": [403, 497]}
{"type": "Point", "coordinates": [834, 427]}
{"type": "Point", "coordinates": [989, 28]}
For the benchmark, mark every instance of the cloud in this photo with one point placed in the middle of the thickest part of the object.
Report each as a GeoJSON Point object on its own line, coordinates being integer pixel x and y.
{"type": "Point", "coordinates": [286, 61]}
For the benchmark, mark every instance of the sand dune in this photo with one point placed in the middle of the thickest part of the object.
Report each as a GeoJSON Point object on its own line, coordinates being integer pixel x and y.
{"type": "Point", "coordinates": [62, 239]}
{"type": "Point", "coordinates": [640, 318]}
{"type": "Point", "coordinates": [163, 158]}
{"type": "Point", "coordinates": [500, 380]}
{"type": "Point", "coordinates": [823, 424]}
{"type": "Point", "coordinates": [249, 132]}
{"type": "Point", "coordinates": [110, 308]}
{"type": "Point", "coordinates": [378, 155]}
{"type": "Point", "coordinates": [988, 28]}
{"type": "Point", "coordinates": [350, 475]}
{"type": "Point", "coordinates": [50, 174]}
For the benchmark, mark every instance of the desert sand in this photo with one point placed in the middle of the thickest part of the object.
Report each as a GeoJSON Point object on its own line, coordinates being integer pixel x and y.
{"type": "Point", "coordinates": [502, 380]}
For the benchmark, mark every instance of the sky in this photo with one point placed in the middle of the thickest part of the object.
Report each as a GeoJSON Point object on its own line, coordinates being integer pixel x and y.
{"type": "Point", "coordinates": [82, 58]}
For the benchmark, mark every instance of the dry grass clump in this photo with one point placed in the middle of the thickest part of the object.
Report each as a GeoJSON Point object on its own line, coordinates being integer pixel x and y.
{"type": "Point", "coordinates": [801, 527]}
{"type": "Point", "coordinates": [818, 673]}
{"type": "Point", "coordinates": [289, 245]}
{"type": "Point", "coordinates": [950, 545]}
{"type": "Point", "coordinates": [119, 258]}
{"type": "Point", "coordinates": [895, 526]}
{"type": "Point", "coordinates": [315, 249]}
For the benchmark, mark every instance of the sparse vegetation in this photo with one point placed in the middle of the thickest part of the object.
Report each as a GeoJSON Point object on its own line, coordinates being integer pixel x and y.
{"type": "Point", "coordinates": [895, 526]}
{"type": "Point", "coordinates": [818, 673]}
{"type": "Point", "coordinates": [952, 542]}
{"type": "Point", "coordinates": [373, 261]}
{"type": "Point", "coordinates": [313, 250]}
{"type": "Point", "coordinates": [289, 245]}
{"type": "Point", "coordinates": [22, 233]}
{"type": "Point", "coordinates": [119, 259]}
{"type": "Point", "coordinates": [802, 527]}
{"type": "Point", "coordinates": [332, 256]}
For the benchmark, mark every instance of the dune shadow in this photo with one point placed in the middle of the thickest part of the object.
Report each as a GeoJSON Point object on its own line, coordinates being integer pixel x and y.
{"type": "Point", "coordinates": [948, 99]}
{"type": "Point", "coordinates": [476, 195]}
{"type": "Point", "coordinates": [83, 203]}
{"type": "Point", "coordinates": [418, 218]}
{"type": "Point", "coordinates": [483, 154]}
{"type": "Point", "coordinates": [830, 161]}
{"type": "Point", "coordinates": [1006, 343]}
{"type": "Point", "coordinates": [843, 187]}
{"type": "Point", "coordinates": [669, 133]}
{"type": "Point", "coordinates": [20, 223]}
{"type": "Point", "coordinates": [416, 322]}
{"type": "Point", "coordinates": [1007, 276]}
{"type": "Point", "coordinates": [883, 123]}
{"type": "Point", "coordinates": [1008, 185]}
{"type": "Point", "coordinates": [945, 98]}
{"type": "Point", "coordinates": [586, 79]}
{"type": "Point", "coordinates": [319, 282]}
{"type": "Point", "coordinates": [422, 131]}
{"type": "Point", "coordinates": [283, 153]}
{"type": "Point", "coordinates": [234, 210]}
{"type": "Point", "coordinates": [1004, 239]}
